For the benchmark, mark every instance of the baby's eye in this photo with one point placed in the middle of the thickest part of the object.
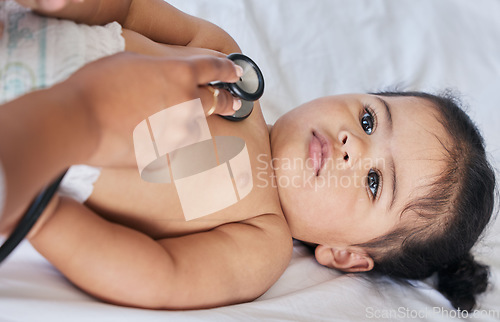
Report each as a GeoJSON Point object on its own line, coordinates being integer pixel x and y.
{"type": "Point", "coordinates": [372, 181]}
{"type": "Point", "coordinates": [368, 121]}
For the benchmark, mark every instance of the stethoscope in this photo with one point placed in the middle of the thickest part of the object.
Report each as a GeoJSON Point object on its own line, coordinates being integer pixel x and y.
{"type": "Point", "coordinates": [248, 88]}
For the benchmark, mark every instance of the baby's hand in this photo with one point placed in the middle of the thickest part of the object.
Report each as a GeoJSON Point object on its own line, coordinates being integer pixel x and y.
{"type": "Point", "coordinates": [46, 5]}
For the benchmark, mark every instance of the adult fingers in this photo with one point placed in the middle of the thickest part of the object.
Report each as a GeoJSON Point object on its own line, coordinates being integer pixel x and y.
{"type": "Point", "coordinates": [218, 101]}
{"type": "Point", "coordinates": [47, 5]}
{"type": "Point", "coordinates": [52, 5]}
{"type": "Point", "coordinates": [187, 52]}
{"type": "Point", "coordinates": [208, 69]}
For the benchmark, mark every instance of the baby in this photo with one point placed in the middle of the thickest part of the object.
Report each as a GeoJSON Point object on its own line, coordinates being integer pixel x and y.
{"type": "Point", "coordinates": [396, 183]}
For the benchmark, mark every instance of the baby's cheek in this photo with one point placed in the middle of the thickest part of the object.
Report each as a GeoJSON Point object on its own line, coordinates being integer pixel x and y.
{"type": "Point", "coordinates": [347, 200]}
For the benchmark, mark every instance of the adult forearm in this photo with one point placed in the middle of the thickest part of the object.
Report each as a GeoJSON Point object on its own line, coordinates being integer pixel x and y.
{"type": "Point", "coordinates": [90, 117]}
{"type": "Point", "coordinates": [41, 134]}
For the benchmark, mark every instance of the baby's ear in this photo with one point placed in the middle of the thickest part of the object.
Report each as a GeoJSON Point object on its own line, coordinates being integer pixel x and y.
{"type": "Point", "coordinates": [347, 260]}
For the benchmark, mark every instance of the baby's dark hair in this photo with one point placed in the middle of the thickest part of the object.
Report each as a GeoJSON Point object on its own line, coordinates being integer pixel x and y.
{"type": "Point", "coordinates": [450, 217]}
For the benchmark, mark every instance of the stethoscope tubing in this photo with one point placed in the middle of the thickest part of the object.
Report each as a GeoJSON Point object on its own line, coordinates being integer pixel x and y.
{"type": "Point", "coordinates": [29, 219]}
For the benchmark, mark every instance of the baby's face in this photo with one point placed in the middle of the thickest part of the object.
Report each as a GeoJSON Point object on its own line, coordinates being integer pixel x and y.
{"type": "Point", "coordinates": [347, 165]}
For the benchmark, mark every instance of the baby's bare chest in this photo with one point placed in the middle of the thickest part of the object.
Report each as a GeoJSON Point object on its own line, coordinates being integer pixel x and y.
{"type": "Point", "coordinates": [156, 209]}
{"type": "Point", "coordinates": [237, 187]}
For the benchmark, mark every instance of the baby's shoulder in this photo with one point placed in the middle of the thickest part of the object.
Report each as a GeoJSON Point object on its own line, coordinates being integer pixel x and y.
{"type": "Point", "coordinates": [271, 229]}
{"type": "Point", "coordinates": [265, 243]}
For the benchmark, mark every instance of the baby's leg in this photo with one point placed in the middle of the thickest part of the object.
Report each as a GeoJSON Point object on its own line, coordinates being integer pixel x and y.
{"type": "Point", "coordinates": [109, 261]}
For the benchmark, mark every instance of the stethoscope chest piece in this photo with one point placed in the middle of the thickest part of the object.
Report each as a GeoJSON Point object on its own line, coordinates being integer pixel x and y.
{"type": "Point", "coordinates": [249, 88]}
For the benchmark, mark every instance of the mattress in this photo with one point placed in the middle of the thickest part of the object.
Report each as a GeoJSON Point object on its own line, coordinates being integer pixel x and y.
{"type": "Point", "coordinates": [308, 49]}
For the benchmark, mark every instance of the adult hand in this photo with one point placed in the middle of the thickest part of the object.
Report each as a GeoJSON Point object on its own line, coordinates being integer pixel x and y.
{"type": "Point", "coordinates": [120, 91]}
{"type": "Point", "coordinates": [46, 5]}
{"type": "Point", "coordinates": [90, 117]}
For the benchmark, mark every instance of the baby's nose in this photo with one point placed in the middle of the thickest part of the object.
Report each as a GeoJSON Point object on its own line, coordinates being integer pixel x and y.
{"type": "Point", "coordinates": [352, 148]}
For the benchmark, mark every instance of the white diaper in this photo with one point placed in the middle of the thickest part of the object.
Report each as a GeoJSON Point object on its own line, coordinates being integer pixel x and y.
{"type": "Point", "coordinates": [37, 52]}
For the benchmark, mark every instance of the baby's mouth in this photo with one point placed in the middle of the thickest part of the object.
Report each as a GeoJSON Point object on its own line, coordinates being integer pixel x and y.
{"type": "Point", "coordinates": [318, 151]}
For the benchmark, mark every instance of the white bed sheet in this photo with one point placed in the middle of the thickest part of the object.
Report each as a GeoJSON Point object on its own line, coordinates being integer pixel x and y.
{"type": "Point", "coordinates": [309, 49]}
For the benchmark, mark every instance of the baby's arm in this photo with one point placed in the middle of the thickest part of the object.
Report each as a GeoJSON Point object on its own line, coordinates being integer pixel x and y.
{"type": "Point", "coordinates": [155, 19]}
{"type": "Point", "coordinates": [232, 263]}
